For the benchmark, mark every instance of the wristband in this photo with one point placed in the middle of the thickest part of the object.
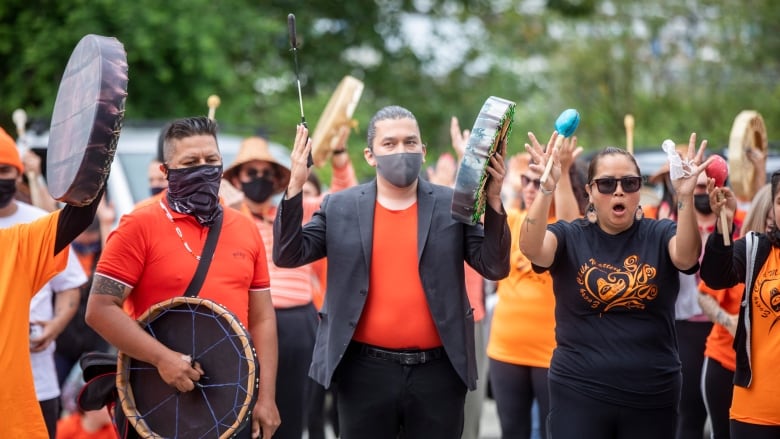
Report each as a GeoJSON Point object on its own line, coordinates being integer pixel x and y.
{"type": "Point", "coordinates": [545, 191]}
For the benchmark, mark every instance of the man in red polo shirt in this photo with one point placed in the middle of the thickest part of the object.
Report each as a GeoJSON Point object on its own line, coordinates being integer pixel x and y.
{"type": "Point", "coordinates": [153, 255]}
{"type": "Point", "coordinates": [396, 331]}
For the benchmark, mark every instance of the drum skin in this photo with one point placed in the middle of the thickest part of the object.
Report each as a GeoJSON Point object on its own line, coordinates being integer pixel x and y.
{"type": "Point", "coordinates": [748, 132]}
{"type": "Point", "coordinates": [493, 126]}
{"type": "Point", "coordinates": [223, 398]}
{"type": "Point", "coordinates": [87, 119]}
{"type": "Point", "coordinates": [338, 113]}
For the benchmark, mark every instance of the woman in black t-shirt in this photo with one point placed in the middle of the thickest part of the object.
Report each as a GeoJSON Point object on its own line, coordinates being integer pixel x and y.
{"type": "Point", "coordinates": [616, 371]}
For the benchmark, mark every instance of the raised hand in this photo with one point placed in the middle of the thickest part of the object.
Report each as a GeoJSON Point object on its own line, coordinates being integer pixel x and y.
{"type": "Point", "coordinates": [299, 167]}
{"type": "Point", "coordinates": [568, 153]}
{"type": "Point", "coordinates": [692, 167]}
{"type": "Point", "coordinates": [459, 138]}
{"type": "Point", "coordinates": [497, 170]}
{"type": "Point", "coordinates": [540, 156]}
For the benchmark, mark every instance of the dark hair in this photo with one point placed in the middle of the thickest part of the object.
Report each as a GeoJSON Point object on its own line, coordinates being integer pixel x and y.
{"type": "Point", "coordinates": [609, 150]}
{"type": "Point", "coordinates": [187, 127]}
{"type": "Point", "coordinates": [389, 112]}
{"type": "Point", "coordinates": [313, 179]}
{"type": "Point", "coordinates": [577, 177]}
{"type": "Point", "coordinates": [774, 233]}
{"type": "Point", "coordinates": [161, 142]}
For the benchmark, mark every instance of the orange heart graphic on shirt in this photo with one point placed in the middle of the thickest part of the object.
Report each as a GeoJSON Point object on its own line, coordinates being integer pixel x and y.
{"type": "Point", "coordinates": [607, 291]}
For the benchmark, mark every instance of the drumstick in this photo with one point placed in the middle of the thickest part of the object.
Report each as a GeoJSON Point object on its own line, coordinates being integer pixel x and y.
{"type": "Point", "coordinates": [565, 125]}
{"type": "Point", "coordinates": [628, 122]}
{"type": "Point", "coordinates": [20, 120]}
{"type": "Point", "coordinates": [19, 117]}
{"type": "Point", "coordinates": [213, 102]}
{"type": "Point", "coordinates": [294, 45]}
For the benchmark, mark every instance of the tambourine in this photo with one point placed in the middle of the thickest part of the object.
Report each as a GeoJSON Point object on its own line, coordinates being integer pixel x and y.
{"type": "Point", "coordinates": [492, 127]}
{"type": "Point", "coordinates": [748, 132]}
{"type": "Point", "coordinates": [223, 398]}
{"type": "Point", "coordinates": [338, 113]}
{"type": "Point", "coordinates": [87, 119]}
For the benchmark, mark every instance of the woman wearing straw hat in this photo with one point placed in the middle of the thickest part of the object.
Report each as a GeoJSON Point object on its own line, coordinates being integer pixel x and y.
{"type": "Point", "coordinates": [259, 175]}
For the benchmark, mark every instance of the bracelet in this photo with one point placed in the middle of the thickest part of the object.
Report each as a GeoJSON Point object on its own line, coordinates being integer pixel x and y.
{"type": "Point", "coordinates": [339, 151]}
{"type": "Point", "coordinates": [545, 191]}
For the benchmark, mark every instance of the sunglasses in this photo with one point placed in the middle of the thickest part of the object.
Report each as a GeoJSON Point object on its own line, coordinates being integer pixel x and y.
{"type": "Point", "coordinates": [525, 181]}
{"type": "Point", "coordinates": [609, 184]}
{"type": "Point", "coordinates": [254, 173]}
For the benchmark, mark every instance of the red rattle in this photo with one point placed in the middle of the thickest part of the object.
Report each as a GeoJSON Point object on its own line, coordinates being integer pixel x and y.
{"type": "Point", "coordinates": [718, 170]}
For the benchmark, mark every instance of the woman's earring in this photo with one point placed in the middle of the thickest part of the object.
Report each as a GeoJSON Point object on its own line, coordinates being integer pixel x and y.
{"type": "Point", "coordinates": [590, 213]}
{"type": "Point", "coordinates": [639, 214]}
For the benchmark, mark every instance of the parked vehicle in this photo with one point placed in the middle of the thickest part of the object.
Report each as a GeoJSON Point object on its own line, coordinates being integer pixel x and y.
{"type": "Point", "coordinates": [137, 146]}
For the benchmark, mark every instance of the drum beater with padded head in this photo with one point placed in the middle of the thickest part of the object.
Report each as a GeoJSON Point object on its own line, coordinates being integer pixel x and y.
{"type": "Point", "coordinates": [294, 45]}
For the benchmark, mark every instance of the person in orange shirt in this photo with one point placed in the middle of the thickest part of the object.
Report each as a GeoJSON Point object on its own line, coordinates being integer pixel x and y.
{"type": "Point", "coordinates": [722, 308]}
{"type": "Point", "coordinates": [92, 424]}
{"type": "Point", "coordinates": [522, 331]}
{"type": "Point", "coordinates": [259, 176]}
{"type": "Point", "coordinates": [154, 252]}
{"type": "Point", "coordinates": [692, 325]}
{"type": "Point", "coordinates": [396, 314]}
{"type": "Point", "coordinates": [34, 253]}
{"type": "Point", "coordinates": [752, 260]}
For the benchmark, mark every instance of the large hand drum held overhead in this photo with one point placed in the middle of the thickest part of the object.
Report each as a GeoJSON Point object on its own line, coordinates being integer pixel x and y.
{"type": "Point", "coordinates": [87, 119]}
{"type": "Point", "coordinates": [492, 127]}
{"type": "Point", "coordinates": [748, 135]}
{"type": "Point", "coordinates": [338, 113]}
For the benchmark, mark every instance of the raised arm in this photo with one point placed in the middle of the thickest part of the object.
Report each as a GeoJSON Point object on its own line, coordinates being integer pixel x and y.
{"type": "Point", "coordinates": [536, 243]}
{"type": "Point", "coordinates": [685, 245]}
{"type": "Point", "coordinates": [566, 206]}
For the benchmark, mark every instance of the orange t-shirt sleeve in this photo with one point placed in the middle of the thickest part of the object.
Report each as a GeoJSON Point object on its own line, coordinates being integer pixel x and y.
{"type": "Point", "coordinates": [36, 250]}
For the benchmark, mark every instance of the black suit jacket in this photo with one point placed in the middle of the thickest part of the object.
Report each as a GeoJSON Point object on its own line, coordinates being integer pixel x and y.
{"type": "Point", "coordinates": [343, 231]}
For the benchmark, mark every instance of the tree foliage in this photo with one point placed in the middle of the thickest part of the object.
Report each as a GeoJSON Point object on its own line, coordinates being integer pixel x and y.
{"type": "Point", "coordinates": [676, 66]}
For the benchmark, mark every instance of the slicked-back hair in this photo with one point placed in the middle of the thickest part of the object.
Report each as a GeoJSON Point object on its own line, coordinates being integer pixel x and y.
{"type": "Point", "coordinates": [609, 150]}
{"type": "Point", "coordinates": [389, 112]}
{"type": "Point", "coordinates": [187, 127]}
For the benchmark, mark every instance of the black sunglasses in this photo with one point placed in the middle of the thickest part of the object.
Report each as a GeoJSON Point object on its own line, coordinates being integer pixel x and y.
{"type": "Point", "coordinates": [609, 184]}
{"type": "Point", "coordinates": [525, 180]}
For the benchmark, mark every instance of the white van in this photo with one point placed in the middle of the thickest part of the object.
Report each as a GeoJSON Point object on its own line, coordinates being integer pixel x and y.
{"type": "Point", "coordinates": [127, 183]}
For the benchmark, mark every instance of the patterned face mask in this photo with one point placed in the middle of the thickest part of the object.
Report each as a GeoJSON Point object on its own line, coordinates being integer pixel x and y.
{"type": "Point", "coordinates": [195, 191]}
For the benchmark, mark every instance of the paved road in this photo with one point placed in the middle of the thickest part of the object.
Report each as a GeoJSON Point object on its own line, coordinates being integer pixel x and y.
{"type": "Point", "coordinates": [489, 427]}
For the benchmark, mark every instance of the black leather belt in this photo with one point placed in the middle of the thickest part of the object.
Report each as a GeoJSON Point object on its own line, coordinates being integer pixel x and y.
{"type": "Point", "coordinates": [404, 357]}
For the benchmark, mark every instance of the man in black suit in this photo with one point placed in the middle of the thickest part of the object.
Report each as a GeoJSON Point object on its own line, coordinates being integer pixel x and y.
{"type": "Point", "coordinates": [396, 332]}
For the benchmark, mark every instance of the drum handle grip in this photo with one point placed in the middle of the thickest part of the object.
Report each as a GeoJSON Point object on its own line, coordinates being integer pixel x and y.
{"type": "Point", "coordinates": [724, 224]}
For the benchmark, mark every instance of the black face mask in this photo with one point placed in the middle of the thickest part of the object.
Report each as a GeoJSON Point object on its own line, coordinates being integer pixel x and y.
{"type": "Point", "coordinates": [258, 189]}
{"type": "Point", "coordinates": [155, 190]}
{"type": "Point", "coordinates": [195, 191]}
{"type": "Point", "coordinates": [701, 202]}
{"type": "Point", "coordinates": [7, 191]}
